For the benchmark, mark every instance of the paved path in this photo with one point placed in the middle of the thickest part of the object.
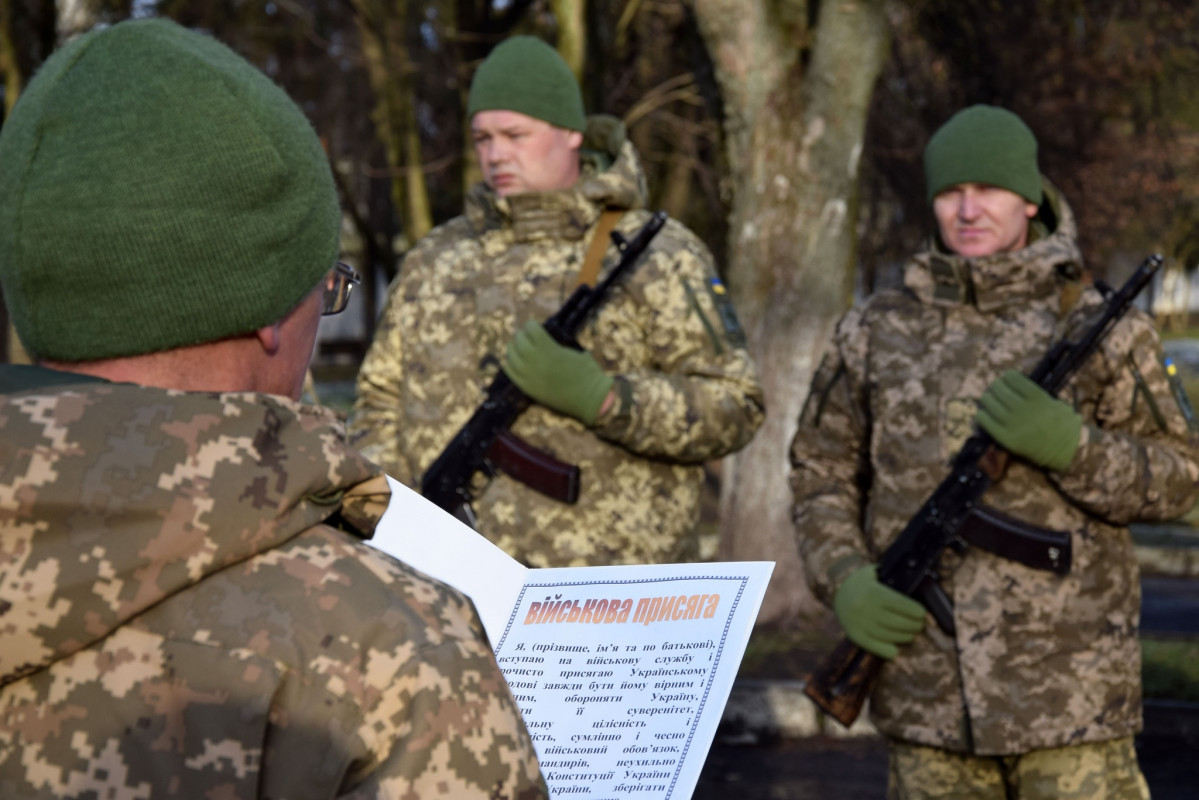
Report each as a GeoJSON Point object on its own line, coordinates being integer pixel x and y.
{"type": "Point", "coordinates": [1171, 606]}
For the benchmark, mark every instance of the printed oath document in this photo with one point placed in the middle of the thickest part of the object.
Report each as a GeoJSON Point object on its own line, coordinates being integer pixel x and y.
{"type": "Point", "coordinates": [621, 673]}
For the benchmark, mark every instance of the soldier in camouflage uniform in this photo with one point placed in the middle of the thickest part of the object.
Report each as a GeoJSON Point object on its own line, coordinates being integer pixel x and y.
{"type": "Point", "coordinates": [664, 382]}
{"type": "Point", "coordinates": [1038, 694]}
{"type": "Point", "coordinates": [187, 607]}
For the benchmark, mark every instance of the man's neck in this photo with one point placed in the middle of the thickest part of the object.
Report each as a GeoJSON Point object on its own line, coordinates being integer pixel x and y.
{"type": "Point", "coordinates": [222, 366]}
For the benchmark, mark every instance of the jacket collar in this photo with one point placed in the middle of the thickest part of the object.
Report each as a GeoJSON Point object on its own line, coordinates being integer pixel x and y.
{"type": "Point", "coordinates": [998, 281]}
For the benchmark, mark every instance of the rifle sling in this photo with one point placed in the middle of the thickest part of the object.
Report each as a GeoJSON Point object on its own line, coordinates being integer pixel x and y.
{"type": "Point", "coordinates": [518, 459]}
{"type": "Point", "coordinates": [521, 461]}
{"type": "Point", "coordinates": [600, 239]}
{"type": "Point", "coordinates": [534, 468]}
{"type": "Point", "coordinates": [1016, 540]}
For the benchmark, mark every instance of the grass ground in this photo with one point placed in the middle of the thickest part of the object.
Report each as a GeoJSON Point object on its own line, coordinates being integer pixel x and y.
{"type": "Point", "coordinates": [1170, 668]}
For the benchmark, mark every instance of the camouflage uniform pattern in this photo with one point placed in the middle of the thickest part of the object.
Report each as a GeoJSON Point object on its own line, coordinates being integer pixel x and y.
{"type": "Point", "coordinates": [187, 610]}
{"type": "Point", "coordinates": [1096, 771]}
{"type": "Point", "coordinates": [1039, 661]}
{"type": "Point", "coordinates": [687, 390]}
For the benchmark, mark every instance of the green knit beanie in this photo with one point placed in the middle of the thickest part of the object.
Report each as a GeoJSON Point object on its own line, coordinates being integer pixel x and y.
{"type": "Point", "coordinates": [156, 191]}
{"type": "Point", "coordinates": [527, 75]}
{"type": "Point", "coordinates": [983, 144]}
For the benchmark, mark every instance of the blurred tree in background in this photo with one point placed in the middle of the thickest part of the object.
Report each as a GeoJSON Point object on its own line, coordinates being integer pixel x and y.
{"type": "Point", "coordinates": [786, 133]}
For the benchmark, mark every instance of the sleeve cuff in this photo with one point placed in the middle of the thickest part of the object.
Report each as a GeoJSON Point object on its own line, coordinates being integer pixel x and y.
{"type": "Point", "coordinates": [842, 568]}
{"type": "Point", "coordinates": [622, 405]}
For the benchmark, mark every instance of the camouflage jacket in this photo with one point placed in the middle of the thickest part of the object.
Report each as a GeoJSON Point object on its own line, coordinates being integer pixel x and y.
{"type": "Point", "coordinates": [1039, 661]}
{"type": "Point", "coordinates": [687, 389]}
{"type": "Point", "coordinates": [187, 610]}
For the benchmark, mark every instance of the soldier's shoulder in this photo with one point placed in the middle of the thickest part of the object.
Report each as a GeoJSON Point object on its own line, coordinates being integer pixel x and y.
{"type": "Point", "coordinates": [1136, 326]}
{"type": "Point", "coordinates": [368, 586]}
{"type": "Point", "coordinates": [673, 238]}
{"type": "Point", "coordinates": [455, 228]}
{"type": "Point", "coordinates": [447, 238]}
{"type": "Point", "coordinates": [889, 301]}
{"type": "Point", "coordinates": [872, 317]}
{"type": "Point", "coordinates": [880, 307]}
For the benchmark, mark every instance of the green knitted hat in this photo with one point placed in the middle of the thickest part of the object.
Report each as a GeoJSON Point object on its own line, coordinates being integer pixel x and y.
{"type": "Point", "coordinates": [157, 190]}
{"type": "Point", "coordinates": [527, 75]}
{"type": "Point", "coordinates": [983, 144]}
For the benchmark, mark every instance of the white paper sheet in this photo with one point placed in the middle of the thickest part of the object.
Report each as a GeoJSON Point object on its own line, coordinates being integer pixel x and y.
{"type": "Point", "coordinates": [621, 673]}
{"type": "Point", "coordinates": [421, 534]}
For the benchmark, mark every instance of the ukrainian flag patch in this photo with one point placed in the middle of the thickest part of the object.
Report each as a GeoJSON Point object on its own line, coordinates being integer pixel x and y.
{"type": "Point", "coordinates": [728, 317]}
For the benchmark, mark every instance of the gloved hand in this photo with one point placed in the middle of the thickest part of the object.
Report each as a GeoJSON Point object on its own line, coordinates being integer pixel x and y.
{"type": "Point", "coordinates": [875, 617]}
{"type": "Point", "coordinates": [569, 381]}
{"type": "Point", "coordinates": [1028, 422]}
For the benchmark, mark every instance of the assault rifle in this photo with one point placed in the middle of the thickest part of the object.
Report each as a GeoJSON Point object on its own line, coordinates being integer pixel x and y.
{"type": "Point", "coordinates": [484, 442]}
{"type": "Point", "coordinates": [953, 517]}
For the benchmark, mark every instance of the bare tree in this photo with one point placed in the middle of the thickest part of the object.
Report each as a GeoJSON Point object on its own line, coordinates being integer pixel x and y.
{"type": "Point", "coordinates": [795, 99]}
{"type": "Point", "coordinates": [383, 27]}
{"type": "Point", "coordinates": [572, 41]}
{"type": "Point", "coordinates": [27, 37]}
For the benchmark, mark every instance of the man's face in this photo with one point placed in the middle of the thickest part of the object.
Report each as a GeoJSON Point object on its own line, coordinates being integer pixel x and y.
{"type": "Point", "coordinates": [518, 153]}
{"type": "Point", "coordinates": [977, 219]}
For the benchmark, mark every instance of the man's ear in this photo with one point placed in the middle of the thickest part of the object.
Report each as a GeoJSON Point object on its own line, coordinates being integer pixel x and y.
{"type": "Point", "coordinates": [575, 140]}
{"type": "Point", "coordinates": [270, 338]}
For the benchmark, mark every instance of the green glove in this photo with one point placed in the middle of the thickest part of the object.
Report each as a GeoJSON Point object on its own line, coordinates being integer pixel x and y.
{"type": "Point", "coordinates": [567, 380]}
{"type": "Point", "coordinates": [875, 617]}
{"type": "Point", "coordinates": [1028, 422]}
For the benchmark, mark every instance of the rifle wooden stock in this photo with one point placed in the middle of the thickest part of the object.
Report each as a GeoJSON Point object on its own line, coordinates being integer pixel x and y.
{"type": "Point", "coordinates": [994, 463]}
{"type": "Point", "coordinates": [535, 468]}
{"type": "Point", "coordinates": [843, 681]}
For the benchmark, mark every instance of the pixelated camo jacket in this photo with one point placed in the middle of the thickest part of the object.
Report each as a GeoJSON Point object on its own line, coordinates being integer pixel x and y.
{"type": "Point", "coordinates": [1039, 660]}
{"type": "Point", "coordinates": [179, 619]}
{"type": "Point", "coordinates": [687, 389]}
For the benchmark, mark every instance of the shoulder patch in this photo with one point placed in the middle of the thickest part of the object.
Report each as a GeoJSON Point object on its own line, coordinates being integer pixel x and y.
{"type": "Point", "coordinates": [1180, 395]}
{"type": "Point", "coordinates": [728, 317]}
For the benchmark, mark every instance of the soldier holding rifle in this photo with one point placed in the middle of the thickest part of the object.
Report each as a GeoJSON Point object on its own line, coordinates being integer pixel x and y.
{"type": "Point", "coordinates": [663, 381]}
{"type": "Point", "coordinates": [1034, 691]}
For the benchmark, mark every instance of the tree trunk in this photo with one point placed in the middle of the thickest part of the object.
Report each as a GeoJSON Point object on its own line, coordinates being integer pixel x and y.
{"type": "Point", "coordinates": [794, 142]}
{"type": "Point", "coordinates": [75, 17]}
{"type": "Point", "coordinates": [383, 27]}
{"type": "Point", "coordinates": [9, 66]}
{"type": "Point", "coordinates": [572, 38]}
{"type": "Point", "coordinates": [27, 37]}
{"type": "Point", "coordinates": [675, 191]}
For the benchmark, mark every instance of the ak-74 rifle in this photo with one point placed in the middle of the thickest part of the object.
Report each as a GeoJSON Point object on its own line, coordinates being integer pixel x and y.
{"type": "Point", "coordinates": [954, 517]}
{"type": "Point", "coordinates": [485, 444]}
